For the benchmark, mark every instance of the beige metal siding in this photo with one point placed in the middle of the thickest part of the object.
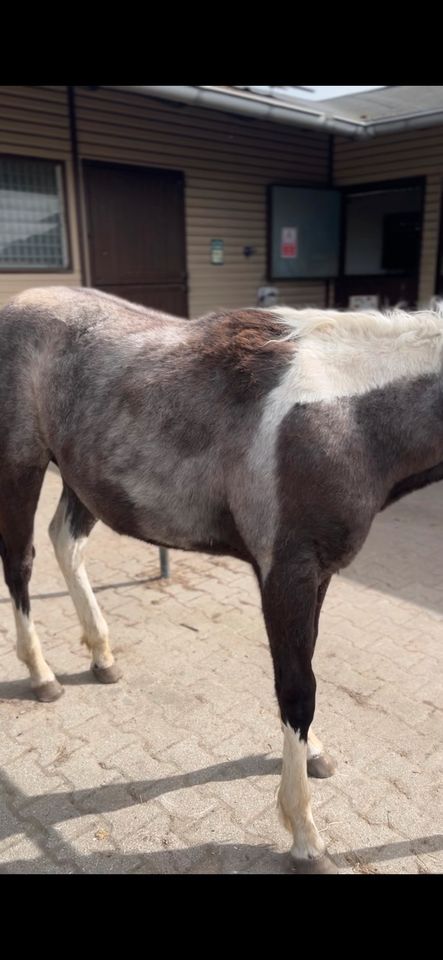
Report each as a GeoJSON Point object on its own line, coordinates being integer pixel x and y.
{"type": "Point", "coordinates": [34, 122]}
{"type": "Point", "coordinates": [410, 154]}
{"type": "Point", "coordinates": [227, 162]}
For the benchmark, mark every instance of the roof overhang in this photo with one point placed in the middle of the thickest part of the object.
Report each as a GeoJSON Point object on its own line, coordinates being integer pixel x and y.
{"type": "Point", "coordinates": [256, 103]}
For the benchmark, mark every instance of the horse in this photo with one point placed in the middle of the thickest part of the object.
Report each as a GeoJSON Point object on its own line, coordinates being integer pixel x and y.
{"type": "Point", "coordinates": [271, 435]}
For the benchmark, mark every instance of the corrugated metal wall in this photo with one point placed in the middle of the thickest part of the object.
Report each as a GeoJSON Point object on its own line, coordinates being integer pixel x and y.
{"type": "Point", "coordinates": [228, 162]}
{"type": "Point", "coordinates": [410, 154]}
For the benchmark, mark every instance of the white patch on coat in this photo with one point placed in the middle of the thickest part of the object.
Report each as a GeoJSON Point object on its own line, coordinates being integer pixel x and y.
{"type": "Point", "coordinates": [349, 354]}
{"type": "Point", "coordinates": [294, 802]}
{"type": "Point", "coordinates": [69, 553]}
{"type": "Point", "coordinates": [29, 650]}
{"type": "Point", "coordinates": [336, 355]}
{"type": "Point", "coordinates": [259, 527]}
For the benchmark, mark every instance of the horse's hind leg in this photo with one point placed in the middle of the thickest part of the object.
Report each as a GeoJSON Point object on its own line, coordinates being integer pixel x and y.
{"type": "Point", "coordinates": [19, 493]}
{"type": "Point", "coordinates": [69, 531]}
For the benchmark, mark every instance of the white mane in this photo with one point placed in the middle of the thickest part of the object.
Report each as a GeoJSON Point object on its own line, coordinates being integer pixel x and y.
{"type": "Point", "coordinates": [346, 354]}
{"type": "Point", "coordinates": [346, 326]}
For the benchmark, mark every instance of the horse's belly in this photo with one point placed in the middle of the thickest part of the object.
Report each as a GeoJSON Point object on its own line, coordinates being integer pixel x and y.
{"type": "Point", "coordinates": [162, 512]}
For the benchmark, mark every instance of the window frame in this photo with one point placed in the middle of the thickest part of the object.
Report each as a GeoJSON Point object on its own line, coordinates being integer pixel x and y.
{"type": "Point", "coordinates": [361, 187]}
{"type": "Point", "coordinates": [438, 282]}
{"type": "Point", "coordinates": [371, 187]}
{"type": "Point", "coordinates": [62, 180]}
{"type": "Point", "coordinates": [300, 185]}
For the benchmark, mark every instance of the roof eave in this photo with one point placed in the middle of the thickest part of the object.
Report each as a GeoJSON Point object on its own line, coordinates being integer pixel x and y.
{"type": "Point", "coordinates": [262, 108]}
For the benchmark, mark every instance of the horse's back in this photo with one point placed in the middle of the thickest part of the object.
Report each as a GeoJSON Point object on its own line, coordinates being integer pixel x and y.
{"type": "Point", "coordinates": [45, 335]}
{"type": "Point", "coordinates": [48, 309]}
{"type": "Point", "coordinates": [48, 332]}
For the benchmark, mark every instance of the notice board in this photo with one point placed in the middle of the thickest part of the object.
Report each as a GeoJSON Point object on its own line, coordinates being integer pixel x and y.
{"type": "Point", "coordinates": [304, 232]}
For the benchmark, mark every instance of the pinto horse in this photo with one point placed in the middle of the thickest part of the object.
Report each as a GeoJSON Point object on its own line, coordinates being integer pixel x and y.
{"type": "Point", "coordinates": [270, 435]}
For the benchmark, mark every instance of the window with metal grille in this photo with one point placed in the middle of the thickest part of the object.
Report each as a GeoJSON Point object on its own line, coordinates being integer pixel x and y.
{"type": "Point", "coordinates": [33, 232]}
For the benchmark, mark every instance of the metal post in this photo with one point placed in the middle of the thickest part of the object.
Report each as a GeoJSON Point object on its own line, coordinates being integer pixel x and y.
{"type": "Point", "coordinates": [164, 562]}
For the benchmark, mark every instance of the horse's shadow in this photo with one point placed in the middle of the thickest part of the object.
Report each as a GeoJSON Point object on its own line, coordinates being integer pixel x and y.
{"type": "Point", "coordinates": [11, 690]}
{"type": "Point", "coordinates": [58, 855]}
{"type": "Point", "coordinates": [214, 858]}
{"type": "Point", "coordinates": [116, 585]}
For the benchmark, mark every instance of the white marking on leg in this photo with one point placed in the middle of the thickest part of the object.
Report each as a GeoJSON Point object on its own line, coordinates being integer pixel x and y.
{"type": "Point", "coordinates": [315, 746]}
{"type": "Point", "coordinates": [29, 650]}
{"type": "Point", "coordinates": [294, 803]}
{"type": "Point", "coordinates": [69, 553]}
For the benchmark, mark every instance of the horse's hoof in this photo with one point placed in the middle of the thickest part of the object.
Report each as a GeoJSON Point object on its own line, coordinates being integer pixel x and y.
{"type": "Point", "coordinates": [107, 674]}
{"type": "Point", "coordinates": [47, 692]}
{"type": "Point", "coordinates": [320, 865]}
{"type": "Point", "coordinates": [321, 767]}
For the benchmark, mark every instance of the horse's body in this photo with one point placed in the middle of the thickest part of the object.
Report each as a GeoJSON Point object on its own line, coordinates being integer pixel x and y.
{"type": "Point", "coordinates": [275, 436]}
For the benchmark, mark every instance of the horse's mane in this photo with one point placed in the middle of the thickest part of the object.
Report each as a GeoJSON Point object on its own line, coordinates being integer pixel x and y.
{"type": "Point", "coordinates": [334, 325]}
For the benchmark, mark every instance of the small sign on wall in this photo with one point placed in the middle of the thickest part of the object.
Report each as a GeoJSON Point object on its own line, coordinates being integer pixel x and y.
{"type": "Point", "coordinates": [288, 243]}
{"type": "Point", "coordinates": [217, 252]}
{"type": "Point", "coordinates": [364, 302]}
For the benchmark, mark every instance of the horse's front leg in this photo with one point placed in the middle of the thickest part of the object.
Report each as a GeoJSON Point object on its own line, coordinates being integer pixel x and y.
{"type": "Point", "coordinates": [320, 764]}
{"type": "Point", "coordinates": [289, 596]}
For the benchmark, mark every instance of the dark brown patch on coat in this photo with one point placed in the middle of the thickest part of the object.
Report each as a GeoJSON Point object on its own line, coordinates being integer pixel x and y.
{"type": "Point", "coordinates": [246, 348]}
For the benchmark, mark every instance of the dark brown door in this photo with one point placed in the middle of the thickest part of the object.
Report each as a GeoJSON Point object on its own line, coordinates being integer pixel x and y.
{"type": "Point", "coordinates": [382, 242]}
{"type": "Point", "coordinates": [439, 280]}
{"type": "Point", "coordinates": [136, 231]}
{"type": "Point", "coordinates": [389, 290]}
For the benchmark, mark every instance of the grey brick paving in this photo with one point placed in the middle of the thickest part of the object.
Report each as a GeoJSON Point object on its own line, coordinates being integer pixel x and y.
{"type": "Point", "coordinates": [175, 769]}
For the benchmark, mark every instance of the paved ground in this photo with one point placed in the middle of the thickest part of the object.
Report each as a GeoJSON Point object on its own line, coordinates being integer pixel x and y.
{"type": "Point", "coordinates": [175, 769]}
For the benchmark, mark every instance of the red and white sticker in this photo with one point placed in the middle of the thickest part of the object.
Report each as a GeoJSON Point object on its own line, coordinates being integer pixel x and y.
{"type": "Point", "coordinates": [288, 244]}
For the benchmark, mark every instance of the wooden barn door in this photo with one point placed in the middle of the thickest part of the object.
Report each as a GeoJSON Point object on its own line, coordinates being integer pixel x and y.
{"type": "Point", "coordinates": [136, 234]}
